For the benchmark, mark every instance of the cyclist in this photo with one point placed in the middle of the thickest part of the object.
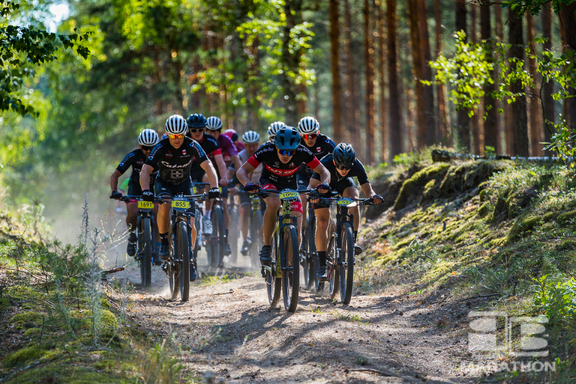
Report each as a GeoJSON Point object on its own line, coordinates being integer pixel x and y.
{"type": "Point", "coordinates": [214, 126]}
{"type": "Point", "coordinates": [273, 129]}
{"type": "Point", "coordinates": [173, 158]}
{"type": "Point", "coordinates": [251, 141]}
{"type": "Point", "coordinates": [232, 134]}
{"type": "Point", "coordinates": [281, 160]}
{"type": "Point", "coordinates": [197, 131]}
{"type": "Point", "coordinates": [343, 166]}
{"type": "Point", "coordinates": [320, 145]}
{"type": "Point", "coordinates": [147, 139]}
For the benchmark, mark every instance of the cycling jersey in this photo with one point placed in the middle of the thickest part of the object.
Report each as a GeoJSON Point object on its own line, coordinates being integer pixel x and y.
{"type": "Point", "coordinates": [276, 171]}
{"type": "Point", "coordinates": [227, 147]}
{"type": "Point", "coordinates": [323, 146]}
{"type": "Point", "coordinates": [210, 146]}
{"type": "Point", "coordinates": [136, 160]}
{"type": "Point", "coordinates": [174, 164]}
{"type": "Point", "coordinates": [356, 171]}
{"type": "Point", "coordinates": [243, 155]}
{"type": "Point", "coordinates": [239, 145]}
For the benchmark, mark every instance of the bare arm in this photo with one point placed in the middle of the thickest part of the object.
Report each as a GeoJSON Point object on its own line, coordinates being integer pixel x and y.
{"type": "Point", "coordinates": [145, 176]}
{"type": "Point", "coordinates": [114, 180]}
{"type": "Point", "coordinates": [210, 172]}
{"type": "Point", "coordinates": [244, 172]}
{"type": "Point", "coordinates": [367, 189]}
{"type": "Point", "coordinates": [324, 174]}
{"type": "Point", "coordinates": [221, 168]}
{"type": "Point", "coordinates": [236, 161]}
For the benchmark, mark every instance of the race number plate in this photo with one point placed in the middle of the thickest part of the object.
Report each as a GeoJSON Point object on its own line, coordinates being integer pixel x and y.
{"type": "Point", "coordinates": [145, 204]}
{"type": "Point", "coordinates": [288, 194]}
{"type": "Point", "coordinates": [180, 204]}
{"type": "Point", "coordinates": [194, 190]}
{"type": "Point", "coordinates": [345, 201]}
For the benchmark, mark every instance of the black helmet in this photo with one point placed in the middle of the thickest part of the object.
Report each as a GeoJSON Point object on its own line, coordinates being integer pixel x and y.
{"type": "Point", "coordinates": [344, 156]}
{"type": "Point", "coordinates": [196, 120]}
{"type": "Point", "coordinates": [287, 138]}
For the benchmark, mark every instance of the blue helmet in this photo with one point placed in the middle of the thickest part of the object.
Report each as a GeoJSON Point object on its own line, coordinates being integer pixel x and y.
{"type": "Point", "coordinates": [344, 156]}
{"type": "Point", "coordinates": [196, 120]}
{"type": "Point", "coordinates": [287, 138]}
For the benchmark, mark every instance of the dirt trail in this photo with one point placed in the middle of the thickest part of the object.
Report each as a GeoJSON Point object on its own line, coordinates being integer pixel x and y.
{"type": "Point", "coordinates": [227, 330]}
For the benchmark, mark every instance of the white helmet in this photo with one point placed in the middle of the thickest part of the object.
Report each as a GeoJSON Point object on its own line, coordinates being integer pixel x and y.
{"type": "Point", "coordinates": [176, 125]}
{"type": "Point", "coordinates": [148, 137]}
{"type": "Point", "coordinates": [250, 137]}
{"type": "Point", "coordinates": [213, 123]}
{"type": "Point", "coordinates": [308, 124]}
{"type": "Point", "coordinates": [274, 128]}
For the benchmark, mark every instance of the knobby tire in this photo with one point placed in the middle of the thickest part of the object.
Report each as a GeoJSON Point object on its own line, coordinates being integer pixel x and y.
{"type": "Point", "coordinates": [184, 257]}
{"type": "Point", "coordinates": [346, 268]}
{"type": "Point", "coordinates": [291, 272]}
{"type": "Point", "coordinates": [146, 262]}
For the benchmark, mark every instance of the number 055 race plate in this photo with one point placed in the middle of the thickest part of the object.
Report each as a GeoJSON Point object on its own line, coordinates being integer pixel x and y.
{"type": "Point", "coordinates": [180, 204]}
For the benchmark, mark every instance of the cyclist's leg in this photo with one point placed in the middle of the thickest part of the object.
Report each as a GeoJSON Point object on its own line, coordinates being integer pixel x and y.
{"type": "Point", "coordinates": [322, 219]}
{"type": "Point", "coordinates": [352, 191]}
{"type": "Point", "coordinates": [245, 206]}
{"type": "Point", "coordinates": [269, 220]}
{"type": "Point", "coordinates": [163, 218]}
{"type": "Point", "coordinates": [303, 180]}
{"type": "Point", "coordinates": [132, 216]}
{"type": "Point", "coordinates": [207, 203]}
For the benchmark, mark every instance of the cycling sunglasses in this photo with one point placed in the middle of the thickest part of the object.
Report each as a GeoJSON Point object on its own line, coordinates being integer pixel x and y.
{"type": "Point", "coordinates": [146, 148]}
{"type": "Point", "coordinates": [196, 130]}
{"type": "Point", "coordinates": [176, 136]}
{"type": "Point", "coordinates": [310, 136]}
{"type": "Point", "coordinates": [286, 152]}
{"type": "Point", "coordinates": [343, 168]}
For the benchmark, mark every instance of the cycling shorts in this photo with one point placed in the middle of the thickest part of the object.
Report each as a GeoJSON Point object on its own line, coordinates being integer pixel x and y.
{"type": "Point", "coordinates": [296, 206]}
{"type": "Point", "coordinates": [339, 187]}
{"type": "Point", "coordinates": [134, 189]}
{"type": "Point", "coordinates": [165, 187]}
{"type": "Point", "coordinates": [303, 180]}
{"type": "Point", "coordinates": [244, 199]}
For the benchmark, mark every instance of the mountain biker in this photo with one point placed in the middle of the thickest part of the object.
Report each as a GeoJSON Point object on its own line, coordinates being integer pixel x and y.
{"type": "Point", "coordinates": [232, 134]}
{"type": "Point", "coordinates": [320, 145]}
{"type": "Point", "coordinates": [343, 166]}
{"type": "Point", "coordinates": [273, 129]}
{"type": "Point", "coordinates": [280, 160]}
{"type": "Point", "coordinates": [173, 158]}
{"type": "Point", "coordinates": [251, 141]}
{"type": "Point", "coordinates": [147, 139]}
{"type": "Point", "coordinates": [197, 131]}
{"type": "Point", "coordinates": [214, 127]}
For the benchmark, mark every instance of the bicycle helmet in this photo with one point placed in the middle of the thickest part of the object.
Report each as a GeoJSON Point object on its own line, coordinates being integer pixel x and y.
{"type": "Point", "coordinates": [175, 125]}
{"type": "Point", "coordinates": [344, 155]}
{"type": "Point", "coordinates": [213, 123]}
{"type": "Point", "coordinates": [287, 138]}
{"type": "Point", "coordinates": [148, 137]}
{"type": "Point", "coordinates": [274, 128]}
{"type": "Point", "coordinates": [232, 134]}
{"type": "Point", "coordinates": [308, 124]}
{"type": "Point", "coordinates": [196, 120]}
{"type": "Point", "coordinates": [250, 137]}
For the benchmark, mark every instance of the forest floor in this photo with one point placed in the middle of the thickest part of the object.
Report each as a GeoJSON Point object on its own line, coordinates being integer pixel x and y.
{"type": "Point", "coordinates": [228, 331]}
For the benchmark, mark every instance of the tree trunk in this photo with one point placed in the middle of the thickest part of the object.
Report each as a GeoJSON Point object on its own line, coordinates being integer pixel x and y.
{"type": "Point", "coordinates": [548, 87]}
{"type": "Point", "coordinates": [568, 18]}
{"type": "Point", "coordinates": [565, 102]}
{"type": "Point", "coordinates": [463, 124]}
{"type": "Point", "coordinates": [394, 112]}
{"type": "Point", "coordinates": [520, 120]}
{"type": "Point", "coordinates": [477, 137]}
{"type": "Point", "coordinates": [290, 61]}
{"type": "Point", "coordinates": [351, 83]}
{"type": "Point", "coordinates": [490, 128]}
{"type": "Point", "coordinates": [417, 67]}
{"type": "Point", "coordinates": [500, 128]}
{"type": "Point", "coordinates": [442, 115]}
{"type": "Point", "coordinates": [337, 133]}
{"type": "Point", "coordinates": [383, 101]}
{"type": "Point", "coordinates": [369, 68]}
{"type": "Point", "coordinates": [535, 112]}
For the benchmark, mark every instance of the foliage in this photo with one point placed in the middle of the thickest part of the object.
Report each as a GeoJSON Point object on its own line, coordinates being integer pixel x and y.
{"type": "Point", "coordinates": [562, 141]}
{"type": "Point", "coordinates": [557, 299]}
{"type": "Point", "coordinates": [21, 51]}
{"type": "Point", "coordinates": [534, 6]}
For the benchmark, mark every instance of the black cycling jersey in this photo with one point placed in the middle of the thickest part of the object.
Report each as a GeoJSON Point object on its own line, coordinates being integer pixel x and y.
{"type": "Point", "coordinates": [174, 164]}
{"type": "Point", "coordinates": [210, 145]}
{"type": "Point", "coordinates": [356, 171]}
{"type": "Point", "coordinates": [324, 145]}
{"type": "Point", "coordinates": [274, 170]}
{"type": "Point", "coordinates": [136, 160]}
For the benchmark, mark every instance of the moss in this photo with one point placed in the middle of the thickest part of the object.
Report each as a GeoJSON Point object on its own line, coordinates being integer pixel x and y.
{"type": "Point", "coordinates": [4, 303]}
{"type": "Point", "coordinates": [414, 184]}
{"type": "Point", "coordinates": [106, 365]}
{"type": "Point", "coordinates": [566, 245]}
{"type": "Point", "coordinates": [484, 209]}
{"type": "Point", "coordinates": [564, 218]}
{"type": "Point", "coordinates": [429, 189]}
{"type": "Point", "coordinates": [403, 243]}
{"type": "Point", "coordinates": [483, 195]}
{"type": "Point", "coordinates": [32, 332]}
{"type": "Point", "coordinates": [550, 216]}
{"type": "Point", "coordinates": [27, 320]}
{"type": "Point", "coordinates": [23, 355]}
{"type": "Point", "coordinates": [523, 225]}
{"type": "Point", "coordinates": [104, 303]}
{"type": "Point", "coordinates": [498, 242]}
{"type": "Point", "coordinates": [71, 374]}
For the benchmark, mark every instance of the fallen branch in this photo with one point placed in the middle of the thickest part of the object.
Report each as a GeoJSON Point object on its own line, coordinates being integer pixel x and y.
{"type": "Point", "coordinates": [20, 370]}
{"type": "Point", "coordinates": [383, 373]}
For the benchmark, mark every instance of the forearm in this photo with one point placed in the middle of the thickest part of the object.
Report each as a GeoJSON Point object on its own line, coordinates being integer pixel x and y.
{"type": "Point", "coordinates": [236, 161]}
{"type": "Point", "coordinates": [210, 173]}
{"type": "Point", "coordinates": [114, 180]}
{"type": "Point", "coordinates": [145, 177]}
{"type": "Point", "coordinates": [367, 189]}
{"type": "Point", "coordinates": [242, 176]}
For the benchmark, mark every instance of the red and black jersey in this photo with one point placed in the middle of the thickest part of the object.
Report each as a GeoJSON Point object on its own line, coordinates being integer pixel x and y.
{"type": "Point", "coordinates": [276, 171]}
{"type": "Point", "coordinates": [174, 164]}
{"type": "Point", "coordinates": [136, 160]}
{"type": "Point", "coordinates": [324, 145]}
{"type": "Point", "coordinates": [210, 146]}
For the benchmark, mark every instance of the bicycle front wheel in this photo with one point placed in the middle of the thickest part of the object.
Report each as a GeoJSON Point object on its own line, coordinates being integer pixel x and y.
{"type": "Point", "coordinates": [273, 282]}
{"type": "Point", "coordinates": [184, 260]}
{"type": "Point", "coordinates": [346, 267]}
{"type": "Point", "coordinates": [146, 262]}
{"type": "Point", "coordinates": [290, 268]}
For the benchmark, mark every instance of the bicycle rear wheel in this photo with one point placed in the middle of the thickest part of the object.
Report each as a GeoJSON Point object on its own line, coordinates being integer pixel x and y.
{"type": "Point", "coordinates": [291, 268]}
{"type": "Point", "coordinates": [346, 267]}
{"type": "Point", "coordinates": [256, 238]}
{"type": "Point", "coordinates": [332, 261]}
{"type": "Point", "coordinates": [184, 258]}
{"type": "Point", "coordinates": [217, 239]}
{"type": "Point", "coordinates": [273, 281]}
{"type": "Point", "coordinates": [146, 261]}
